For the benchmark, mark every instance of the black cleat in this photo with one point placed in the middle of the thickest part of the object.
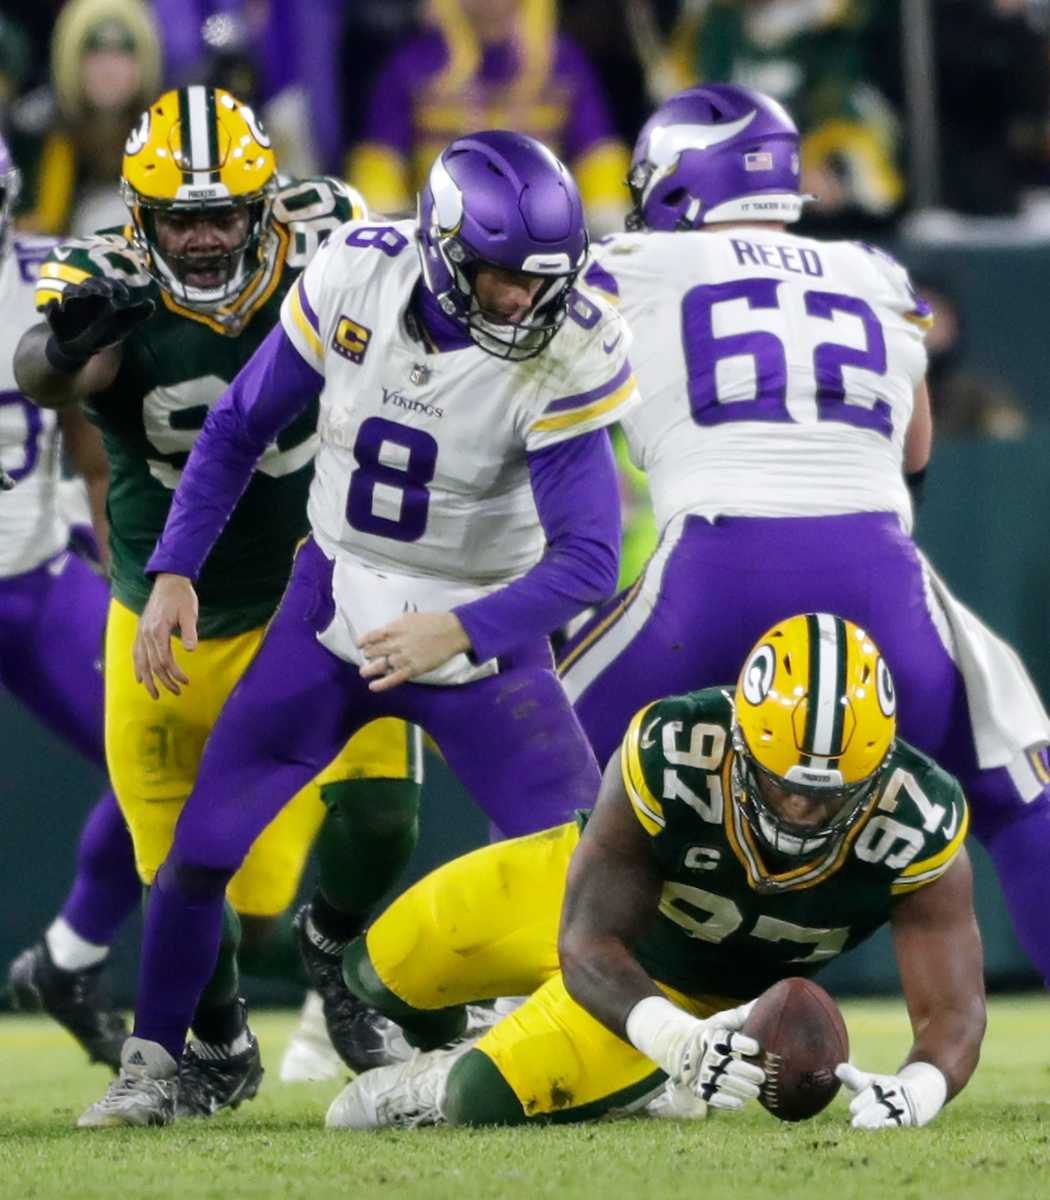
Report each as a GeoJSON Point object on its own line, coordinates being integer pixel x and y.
{"type": "Point", "coordinates": [77, 1000]}
{"type": "Point", "coordinates": [209, 1082]}
{"type": "Point", "coordinates": [361, 1036]}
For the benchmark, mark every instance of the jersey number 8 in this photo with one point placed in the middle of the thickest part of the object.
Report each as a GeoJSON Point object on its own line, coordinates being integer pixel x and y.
{"type": "Point", "coordinates": [395, 464]}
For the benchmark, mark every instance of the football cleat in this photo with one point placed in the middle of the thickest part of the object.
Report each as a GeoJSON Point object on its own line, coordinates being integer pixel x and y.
{"type": "Point", "coordinates": [676, 1102]}
{"type": "Point", "coordinates": [210, 1080]}
{"type": "Point", "coordinates": [77, 1000]}
{"type": "Point", "coordinates": [360, 1035]}
{"type": "Point", "coordinates": [402, 1096]}
{"type": "Point", "coordinates": [310, 1056]}
{"type": "Point", "coordinates": [144, 1093]}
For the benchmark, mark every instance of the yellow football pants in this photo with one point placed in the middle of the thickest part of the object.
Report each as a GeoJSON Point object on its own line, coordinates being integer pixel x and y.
{"type": "Point", "coordinates": [486, 925]}
{"type": "Point", "coordinates": [154, 747]}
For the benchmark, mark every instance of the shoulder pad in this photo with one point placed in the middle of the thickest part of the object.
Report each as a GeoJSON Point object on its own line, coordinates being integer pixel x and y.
{"type": "Point", "coordinates": [310, 210]}
{"type": "Point", "coordinates": [900, 294]}
{"type": "Point", "coordinates": [364, 246]}
{"type": "Point", "coordinates": [919, 823]}
{"type": "Point", "coordinates": [683, 737]}
{"type": "Point", "coordinates": [583, 379]}
{"type": "Point", "coordinates": [109, 254]}
{"type": "Point", "coordinates": [317, 200]}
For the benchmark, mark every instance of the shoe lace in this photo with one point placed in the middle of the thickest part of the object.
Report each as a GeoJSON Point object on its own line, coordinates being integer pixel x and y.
{"type": "Point", "coordinates": [204, 1082]}
{"type": "Point", "coordinates": [414, 1099]}
{"type": "Point", "coordinates": [125, 1087]}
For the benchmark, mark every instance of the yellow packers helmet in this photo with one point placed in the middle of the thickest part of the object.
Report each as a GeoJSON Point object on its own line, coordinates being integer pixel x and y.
{"type": "Point", "coordinates": [200, 150]}
{"type": "Point", "coordinates": [814, 716]}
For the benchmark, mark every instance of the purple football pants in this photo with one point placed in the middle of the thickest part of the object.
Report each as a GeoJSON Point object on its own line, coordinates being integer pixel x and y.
{"type": "Point", "coordinates": [512, 739]}
{"type": "Point", "coordinates": [51, 625]}
{"type": "Point", "coordinates": [713, 588]}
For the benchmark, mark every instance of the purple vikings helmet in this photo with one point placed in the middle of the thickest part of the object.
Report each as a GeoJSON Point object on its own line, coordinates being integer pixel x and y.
{"type": "Point", "coordinates": [715, 153]}
{"type": "Point", "coordinates": [501, 199]}
{"type": "Point", "coordinates": [10, 182]}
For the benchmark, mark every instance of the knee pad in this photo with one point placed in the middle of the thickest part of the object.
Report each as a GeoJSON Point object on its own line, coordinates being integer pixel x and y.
{"type": "Point", "coordinates": [375, 808]}
{"type": "Point", "coordinates": [194, 881]}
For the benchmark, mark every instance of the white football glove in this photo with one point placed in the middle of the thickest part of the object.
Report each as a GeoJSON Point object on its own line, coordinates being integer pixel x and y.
{"type": "Point", "coordinates": [712, 1066]}
{"type": "Point", "coordinates": [914, 1096]}
{"type": "Point", "coordinates": [703, 1056]}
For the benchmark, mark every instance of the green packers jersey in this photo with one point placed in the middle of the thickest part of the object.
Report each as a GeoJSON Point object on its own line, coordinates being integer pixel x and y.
{"type": "Point", "coordinates": [729, 925]}
{"type": "Point", "coordinates": [173, 369]}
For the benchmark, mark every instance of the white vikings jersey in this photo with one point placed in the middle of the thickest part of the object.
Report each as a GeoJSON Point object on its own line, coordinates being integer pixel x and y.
{"type": "Point", "coordinates": [778, 372]}
{"type": "Point", "coordinates": [422, 464]}
{"type": "Point", "coordinates": [32, 528]}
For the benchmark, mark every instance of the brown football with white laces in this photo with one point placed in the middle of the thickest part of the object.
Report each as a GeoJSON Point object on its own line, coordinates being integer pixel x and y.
{"type": "Point", "coordinates": [803, 1038]}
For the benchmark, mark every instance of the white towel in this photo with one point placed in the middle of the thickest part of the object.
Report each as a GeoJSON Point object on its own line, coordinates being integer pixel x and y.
{"type": "Point", "coordinates": [366, 598]}
{"type": "Point", "coordinates": [1006, 712]}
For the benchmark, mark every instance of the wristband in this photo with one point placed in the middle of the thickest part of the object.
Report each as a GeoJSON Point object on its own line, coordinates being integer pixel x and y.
{"type": "Point", "coordinates": [927, 1088]}
{"type": "Point", "coordinates": [661, 1031]}
{"type": "Point", "coordinates": [61, 360]}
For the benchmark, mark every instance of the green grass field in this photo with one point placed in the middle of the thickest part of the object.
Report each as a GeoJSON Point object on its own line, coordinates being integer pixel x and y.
{"type": "Point", "coordinates": [993, 1141]}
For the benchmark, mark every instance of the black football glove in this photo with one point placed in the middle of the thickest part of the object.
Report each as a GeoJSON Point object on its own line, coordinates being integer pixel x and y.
{"type": "Point", "coordinates": [91, 316]}
{"type": "Point", "coordinates": [6, 482]}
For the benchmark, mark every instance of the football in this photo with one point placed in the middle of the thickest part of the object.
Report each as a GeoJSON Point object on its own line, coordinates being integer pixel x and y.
{"type": "Point", "coordinates": [803, 1038]}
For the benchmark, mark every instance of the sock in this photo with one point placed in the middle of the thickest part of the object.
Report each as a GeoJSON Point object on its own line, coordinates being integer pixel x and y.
{"type": "Point", "coordinates": [68, 950]}
{"type": "Point", "coordinates": [477, 1094]}
{"type": "Point", "coordinates": [106, 886]}
{"type": "Point", "coordinates": [367, 838]}
{"type": "Point", "coordinates": [424, 1028]}
{"type": "Point", "coordinates": [329, 928]}
{"type": "Point", "coordinates": [180, 946]}
{"type": "Point", "coordinates": [224, 986]}
{"type": "Point", "coordinates": [222, 1029]}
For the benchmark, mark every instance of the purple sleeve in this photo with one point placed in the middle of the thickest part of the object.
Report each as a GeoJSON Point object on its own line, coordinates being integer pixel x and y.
{"type": "Point", "coordinates": [588, 121]}
{"type": "Point", "coordinates": [577, 496]}
{"type": "Point", "coordinates": [270, 391]}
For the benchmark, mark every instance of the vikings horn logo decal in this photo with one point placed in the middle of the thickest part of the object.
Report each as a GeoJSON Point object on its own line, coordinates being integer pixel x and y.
{"type": "Point", "coordinates": [758, 674]}
{"type": "Point", "coordinates": [884, 689]}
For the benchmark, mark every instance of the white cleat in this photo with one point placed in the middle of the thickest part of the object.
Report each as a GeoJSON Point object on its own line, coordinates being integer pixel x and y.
{"type": "Point", "coordinates": [310, 1056]}
{"type": "Point", "coordinates": [402, 1096]}
{"type": "Point", "coordinates": [144, 1093]}
{"type": "Point", "coordinates": [675, 1102]}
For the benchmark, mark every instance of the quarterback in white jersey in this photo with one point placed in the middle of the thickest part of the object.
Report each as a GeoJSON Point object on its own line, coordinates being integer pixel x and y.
{"type": "Point", "coordinates": [52, 617]}
{"type": "Point", "coordinates": [784, 403]}
{"type": "Point", "coordinates": [464, 505]}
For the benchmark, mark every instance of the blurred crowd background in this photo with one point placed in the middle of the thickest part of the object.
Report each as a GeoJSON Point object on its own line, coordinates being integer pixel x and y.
{"type": "Point", "coordinates": [924, 121]}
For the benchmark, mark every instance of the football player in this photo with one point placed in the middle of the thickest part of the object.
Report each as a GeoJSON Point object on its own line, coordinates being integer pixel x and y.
{"type": "Point", "coordinates": [739, 837]}
{"type": "Point", "coordinates": [785, 403]}
{"type": "Point", "coordinates": [52, 617]}
{"type": "Point", "coordinates": [464, 504]}
{"type": "Point", "coordinates": [146, 325]}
